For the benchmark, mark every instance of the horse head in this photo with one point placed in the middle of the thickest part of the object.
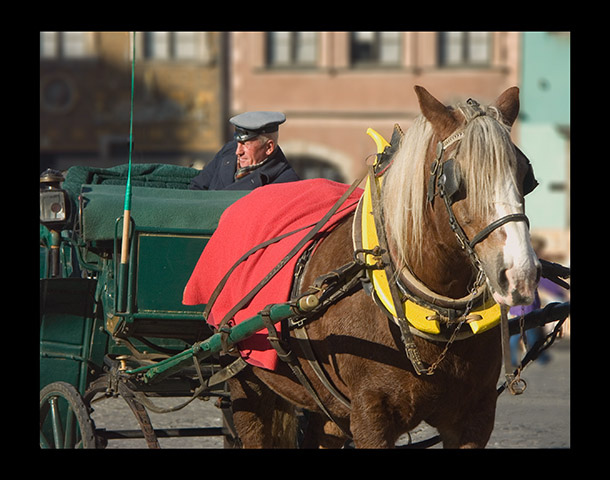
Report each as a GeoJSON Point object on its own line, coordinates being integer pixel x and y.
{"type": "Point", "coordinates": [488, 190]}
{"type": "Point", "coordinates": [472, 181]}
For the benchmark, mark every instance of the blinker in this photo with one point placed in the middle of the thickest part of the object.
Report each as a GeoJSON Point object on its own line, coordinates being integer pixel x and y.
{"type": "Point", "coordinates": [529, 181]}
{"type": "Point", "coordinates": [449, 180]}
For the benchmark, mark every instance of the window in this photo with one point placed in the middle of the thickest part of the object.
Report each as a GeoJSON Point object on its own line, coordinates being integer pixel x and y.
{"type": "Point", "coordinates": [292, 49]}
{"type": "Point", "coordinates": [175, 46]}
{"type": "Point", "coordinates": [66, 45]}
{"type": "Point", "coordinates": [375, 48]}
{"type": "Point", "coordinates": [157, 45]}
{"type": "Point", "coordinates": [464, 48]}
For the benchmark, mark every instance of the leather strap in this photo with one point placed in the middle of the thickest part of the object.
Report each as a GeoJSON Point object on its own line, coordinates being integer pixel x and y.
{"type": "Point", "coordinates": [514, 383]}
{"type": "Point", "coordinates": [227, 372]}
{"type": "Point", "coordinates": [288, 357]}
{"type": "Point", "coordinates": [515, 217]}
{"type": "Point", "coordinates": [401, 320]}
{"type": "Point", "coordinates": [224, 280]}
{"type": "Point", "coordinates": [305, 345]}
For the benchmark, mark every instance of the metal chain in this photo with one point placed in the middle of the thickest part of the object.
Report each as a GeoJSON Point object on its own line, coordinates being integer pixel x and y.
{"type": "Point", "coordinates": [518, 385]}
{"type": "Point", "coordinates": [473, 291]}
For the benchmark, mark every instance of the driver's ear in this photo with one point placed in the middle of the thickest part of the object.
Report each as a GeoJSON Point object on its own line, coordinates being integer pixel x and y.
{"type": "Point", "coordinates": [270, 147]}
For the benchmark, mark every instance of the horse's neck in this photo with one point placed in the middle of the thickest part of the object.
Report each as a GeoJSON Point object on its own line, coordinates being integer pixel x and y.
{"type": "Point", "coordinates": [444, 267]}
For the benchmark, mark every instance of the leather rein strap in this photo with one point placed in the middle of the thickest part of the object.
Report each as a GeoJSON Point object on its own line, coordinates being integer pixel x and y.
{"type": "Point", "coordinates": [285, 355]}
{"type": "Point", "coordinates": [401, 319]}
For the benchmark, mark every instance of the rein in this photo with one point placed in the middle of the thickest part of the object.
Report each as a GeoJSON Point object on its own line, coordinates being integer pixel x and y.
{"type": "Point", "coordinates": [310, 235]}
{"type": "Point", "coordinates": [441, 177]}
{"type": "Point", "coordinates": [387, 265]}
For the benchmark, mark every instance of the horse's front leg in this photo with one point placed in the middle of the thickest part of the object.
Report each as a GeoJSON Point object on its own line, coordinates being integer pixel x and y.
{"type": "Point", "coordinates": [251, 415]}
{"type": "Point", "coordinates": [371, 423]}
{"type": "Point", "coordinates": [262, 418]}
{"type": "Point", "coordinates": [474, 427]}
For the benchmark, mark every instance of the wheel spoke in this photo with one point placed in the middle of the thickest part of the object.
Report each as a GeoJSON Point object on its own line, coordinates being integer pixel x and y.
{"type": "Point", "coordinates": [69, 433]}
{"type": "Point", "coordinates": [56, 422]}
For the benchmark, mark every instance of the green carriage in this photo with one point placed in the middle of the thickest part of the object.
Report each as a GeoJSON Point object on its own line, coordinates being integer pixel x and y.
{"type": "Point", "coordinates": [94, 318]}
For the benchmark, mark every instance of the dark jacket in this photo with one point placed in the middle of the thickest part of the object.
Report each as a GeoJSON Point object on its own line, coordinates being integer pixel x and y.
{"type": "Point", "coordinates": [219, 173]}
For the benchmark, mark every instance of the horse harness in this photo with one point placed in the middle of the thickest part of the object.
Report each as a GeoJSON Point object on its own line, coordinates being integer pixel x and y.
{"type": "Point", "coordinates": [333, 286]}
{"type": "Point", "coordinates": [444, 179]}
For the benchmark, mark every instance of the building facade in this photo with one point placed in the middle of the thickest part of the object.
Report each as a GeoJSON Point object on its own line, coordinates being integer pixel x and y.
{"type": "Point", "coordinates": [332, 86]}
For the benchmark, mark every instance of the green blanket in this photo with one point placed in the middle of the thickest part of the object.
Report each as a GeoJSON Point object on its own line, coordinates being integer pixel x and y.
{"type": "Point", "coordinates": [153, 209]}
{"type": "Point", "coordinates": [142, 175]}
{"type": "Point", "coordinates": [160, 201]}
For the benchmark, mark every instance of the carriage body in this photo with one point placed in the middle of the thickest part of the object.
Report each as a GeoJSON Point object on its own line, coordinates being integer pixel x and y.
{"type": "Point", "coordinates": [90, 316]}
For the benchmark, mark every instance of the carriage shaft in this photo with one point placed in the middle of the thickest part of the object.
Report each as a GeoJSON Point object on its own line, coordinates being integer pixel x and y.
{"type": "Point", "coordinates": [550, 313]}
{"type": "Point", "coordinates": [212, 345]}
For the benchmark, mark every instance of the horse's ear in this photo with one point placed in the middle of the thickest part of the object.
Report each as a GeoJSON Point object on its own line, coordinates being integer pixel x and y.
{"type": "Point", "coordinates": [508, 104]}
{"type": "Point", "coordinates": [437, 114]}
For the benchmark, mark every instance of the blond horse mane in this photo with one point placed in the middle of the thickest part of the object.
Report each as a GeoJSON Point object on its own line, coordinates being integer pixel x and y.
{"type": "Point", "coordinates": [485, 156]}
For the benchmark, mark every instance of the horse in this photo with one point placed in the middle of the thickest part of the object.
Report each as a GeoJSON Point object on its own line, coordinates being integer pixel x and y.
{"type": "Point", "coordinates": [361, 349]}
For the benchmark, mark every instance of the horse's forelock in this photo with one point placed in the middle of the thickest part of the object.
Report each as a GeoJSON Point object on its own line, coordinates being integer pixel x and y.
{"type": "Point", "coordinates": [486, 160]}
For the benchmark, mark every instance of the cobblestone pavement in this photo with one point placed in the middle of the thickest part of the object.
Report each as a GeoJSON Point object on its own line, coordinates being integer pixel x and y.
{"type": "Point", "coordinates": [539, 418]}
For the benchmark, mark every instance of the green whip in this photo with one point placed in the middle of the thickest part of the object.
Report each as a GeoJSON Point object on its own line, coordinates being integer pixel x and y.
{"type": "Point", "coordinates": [127, 207]}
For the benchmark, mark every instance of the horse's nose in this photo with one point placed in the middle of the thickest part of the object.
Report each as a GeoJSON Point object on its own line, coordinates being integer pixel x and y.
{"type": "Point", "coordinates": [502, 280]}
{"type": "Point", "coordinates": [519, 298]}
{"type": "Point", "coordinates": [516, 284]}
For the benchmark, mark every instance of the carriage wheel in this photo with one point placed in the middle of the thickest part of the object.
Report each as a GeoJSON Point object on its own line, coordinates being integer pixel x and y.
{"type": "Point", "coordinates": [64, 418]}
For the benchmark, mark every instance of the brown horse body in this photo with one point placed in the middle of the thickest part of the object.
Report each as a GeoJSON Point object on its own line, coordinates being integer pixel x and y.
{"type": "Point", "coordinates": [364, 356]}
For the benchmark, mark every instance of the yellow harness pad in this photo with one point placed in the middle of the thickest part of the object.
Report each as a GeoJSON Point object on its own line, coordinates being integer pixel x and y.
{"type": "Point", "coordinates": [423, 319]}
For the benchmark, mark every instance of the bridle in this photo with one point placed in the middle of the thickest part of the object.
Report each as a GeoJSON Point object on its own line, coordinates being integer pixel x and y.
{"type": "Point", "coordinates": [444, 178]}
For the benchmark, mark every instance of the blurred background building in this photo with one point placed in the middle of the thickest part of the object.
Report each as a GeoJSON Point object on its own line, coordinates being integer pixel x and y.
{"type": "Point", "coordinates": [332, 86]}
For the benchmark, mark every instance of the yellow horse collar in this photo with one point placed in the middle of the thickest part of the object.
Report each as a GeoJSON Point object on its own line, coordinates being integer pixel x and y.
{"type": "Point", "coordinates": [421, 314]}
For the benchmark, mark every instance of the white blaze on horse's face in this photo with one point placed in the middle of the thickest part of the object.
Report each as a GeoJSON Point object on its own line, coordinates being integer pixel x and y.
{"type": "Point", "coordinates": [517, 270]}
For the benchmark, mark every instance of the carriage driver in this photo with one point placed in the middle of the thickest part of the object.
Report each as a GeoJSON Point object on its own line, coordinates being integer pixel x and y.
{"type": "Point", "coordinates": [252, 159]}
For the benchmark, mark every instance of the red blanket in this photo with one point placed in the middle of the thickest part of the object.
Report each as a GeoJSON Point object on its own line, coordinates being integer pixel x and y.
{"type": "Point", "coordinates": [265, 213]}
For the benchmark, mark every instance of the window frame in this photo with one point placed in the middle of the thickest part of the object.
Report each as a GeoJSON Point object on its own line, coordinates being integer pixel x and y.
{"type": "Point", "coordinates": [199, 42]}
{"type": "Point", "coordinates": [59, 46]}
{"type": "Point", "coordinates": [293, 44]}
{"type": "Point", "coordinates": [466, 44]}
{"type": "Point", "coordinates": [377, 44]}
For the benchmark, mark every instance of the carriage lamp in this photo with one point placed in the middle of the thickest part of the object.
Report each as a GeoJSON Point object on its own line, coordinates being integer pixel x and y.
{"type": "Point", "coordinates": [54, 203]}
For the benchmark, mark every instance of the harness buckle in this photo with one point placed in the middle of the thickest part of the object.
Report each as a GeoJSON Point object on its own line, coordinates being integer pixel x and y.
{"type": "Point", "coordinates": [376, 252]}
